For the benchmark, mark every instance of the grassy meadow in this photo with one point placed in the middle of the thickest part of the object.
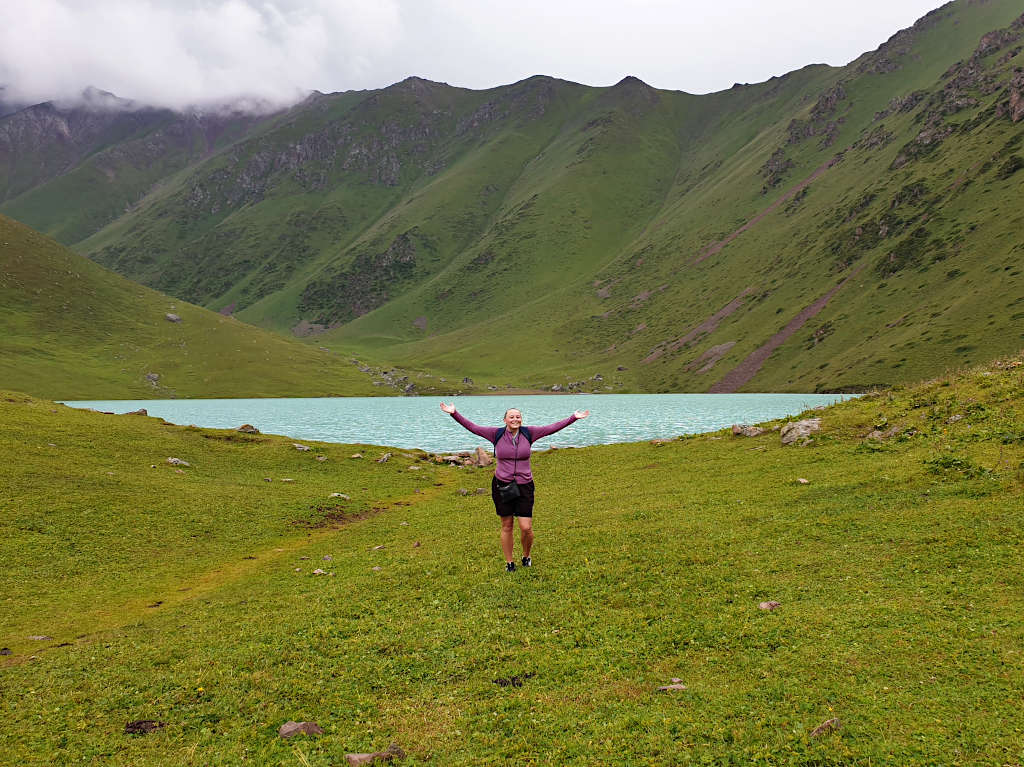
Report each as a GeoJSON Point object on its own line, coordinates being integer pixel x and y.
{"type": "Point", "coordinates": [185, 595]}
{"type": "Point", "coordinates": [70, 329]}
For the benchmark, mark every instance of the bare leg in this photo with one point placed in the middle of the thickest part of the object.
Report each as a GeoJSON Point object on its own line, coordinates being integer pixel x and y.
{"type": "Point", "coordinates": [525, 535]}
{"type": "Point", "coordinates": [506, 537]}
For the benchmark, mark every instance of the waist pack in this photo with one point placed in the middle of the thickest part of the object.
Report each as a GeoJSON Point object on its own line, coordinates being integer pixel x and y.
{"type": "Point", "coordinates": [507, 491]}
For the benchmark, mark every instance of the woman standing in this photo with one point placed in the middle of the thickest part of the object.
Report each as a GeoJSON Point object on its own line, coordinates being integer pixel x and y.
{"type": "Point", "coordinates": [512, 484]}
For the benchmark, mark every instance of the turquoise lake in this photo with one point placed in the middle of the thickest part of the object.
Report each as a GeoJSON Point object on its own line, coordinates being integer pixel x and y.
{"type": "Point", "coordinates": [417, 422]}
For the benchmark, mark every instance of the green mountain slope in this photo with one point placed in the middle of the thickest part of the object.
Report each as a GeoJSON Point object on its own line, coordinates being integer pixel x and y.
{"type": "Point", "coordinates": [835, 227]}
{"type": "Point", "coordinates": [71, 329]}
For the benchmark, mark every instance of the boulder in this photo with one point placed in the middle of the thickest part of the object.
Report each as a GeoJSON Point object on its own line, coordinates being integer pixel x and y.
{"type": "Point", "coordinates": [177, 462]}
{"type": "Point", "coordinates": [297, 446]}
{"type": "Point", "coordinates": [483, 458]}
{"type": "Point", "coordinates": [172, 317]}
{"type": "Point", "coordinates": [290, 729]}
{"type": "Point", "coordinates": [769, 606]}
{"type": "Point", "coordinates": [140, 411]}
{"type": "Point", "coordinates": [744, 430]}
{"type": "Point", "coordinates": [248, 428]}
{"type": "Point", "coordinates": [799, 431]}
{"type": "Point", "coordinates": [384, 458]}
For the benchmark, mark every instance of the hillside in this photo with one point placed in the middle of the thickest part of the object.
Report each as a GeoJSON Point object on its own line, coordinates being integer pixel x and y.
{"type": "Point", "coordinates": [831, 228]}
{"type": "Point", "coordinates": [188, 596]}
{"type": "Point", "coordinates": [73, 330]}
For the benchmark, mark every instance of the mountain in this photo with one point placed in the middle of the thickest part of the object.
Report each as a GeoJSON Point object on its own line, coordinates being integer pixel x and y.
{"type": "Point", "coordinates": [833, 228]}
{"type": "Point", "coordinates": [71, 329]}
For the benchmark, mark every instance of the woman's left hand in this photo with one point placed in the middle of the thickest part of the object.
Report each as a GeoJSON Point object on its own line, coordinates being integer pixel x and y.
{"type": "Point", "coordinates": [581, 414]}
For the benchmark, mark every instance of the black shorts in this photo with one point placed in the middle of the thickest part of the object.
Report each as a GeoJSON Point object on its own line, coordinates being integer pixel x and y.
{"type": "Point", "coordinates": [520, 507]}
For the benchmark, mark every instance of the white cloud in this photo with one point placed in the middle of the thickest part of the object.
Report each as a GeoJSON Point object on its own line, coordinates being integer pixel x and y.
{"type": "Point", "coordinates": [174, 53]}
{"type": "Point", "coordinates": [178, 52]}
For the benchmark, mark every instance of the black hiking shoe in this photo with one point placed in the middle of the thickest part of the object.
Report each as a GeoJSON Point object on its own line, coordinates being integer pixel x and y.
{"type": "Point", "coordinates": [510, 567]}
{"type": "Point", "coordinates": [527, 562]}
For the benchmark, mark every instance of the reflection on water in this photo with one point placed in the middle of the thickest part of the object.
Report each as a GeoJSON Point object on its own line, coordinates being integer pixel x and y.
{"type": "Point", "coordinates": [417, 422]}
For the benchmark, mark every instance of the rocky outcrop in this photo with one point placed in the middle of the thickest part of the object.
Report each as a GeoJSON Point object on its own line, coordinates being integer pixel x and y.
{"type": "Point", "coordinates": [822, 121]}
{"type": "Point", "coordinates": [366, 284]}
{"type": "Point", "coordinates": [775, 169]}
{"type": "Point", "coordinates": [1016, 104]}
{"type": "Point", "coordinates": [799, 432]}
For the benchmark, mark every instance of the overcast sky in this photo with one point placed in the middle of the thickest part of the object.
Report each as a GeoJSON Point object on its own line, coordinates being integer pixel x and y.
{"type": "Point", "coordinates": [179, 52]}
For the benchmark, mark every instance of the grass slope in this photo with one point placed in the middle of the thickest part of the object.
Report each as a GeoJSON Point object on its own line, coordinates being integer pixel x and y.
{"type": "Point", "coordinates": [73, 330]}
{"type": "Point", "coordinates": [187, 596]}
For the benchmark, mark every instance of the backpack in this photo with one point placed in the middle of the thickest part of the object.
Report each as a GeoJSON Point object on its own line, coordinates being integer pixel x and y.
{"type": "Point", "coordinates": [524, 430]}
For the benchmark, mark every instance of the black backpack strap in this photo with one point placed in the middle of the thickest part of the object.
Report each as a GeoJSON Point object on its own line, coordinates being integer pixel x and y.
{"type": "Point", "coordinates": [524, 430]}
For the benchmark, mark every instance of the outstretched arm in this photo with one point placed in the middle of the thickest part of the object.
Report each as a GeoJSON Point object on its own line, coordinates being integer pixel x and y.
{"type": "Point", "coordinates": [487, 432]}
{"type": "Point", "coordinates": [551, 428]}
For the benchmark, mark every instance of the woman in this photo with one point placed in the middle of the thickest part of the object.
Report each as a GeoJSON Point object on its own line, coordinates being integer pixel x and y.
{"type": "Point", "coordinates": [512, 484]}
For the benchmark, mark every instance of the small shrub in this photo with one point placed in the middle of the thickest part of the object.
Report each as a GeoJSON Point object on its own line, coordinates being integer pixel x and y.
{"type": "Point", "coordinates": [952, 464]}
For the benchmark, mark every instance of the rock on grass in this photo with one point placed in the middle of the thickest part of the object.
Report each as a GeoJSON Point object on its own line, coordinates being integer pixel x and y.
{"type": "Point", "coordinates": [825, 727]}
{"type": "Point", "coordinates": [291, 729]}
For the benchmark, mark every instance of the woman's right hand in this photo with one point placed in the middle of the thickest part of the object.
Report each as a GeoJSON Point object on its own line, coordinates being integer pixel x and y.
{"type": "Point", "coordinates": [449, 409]}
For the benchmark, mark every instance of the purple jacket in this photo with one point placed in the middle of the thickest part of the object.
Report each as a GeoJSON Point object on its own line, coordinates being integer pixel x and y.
{"type": "Point", "coordinates": [513, 457]}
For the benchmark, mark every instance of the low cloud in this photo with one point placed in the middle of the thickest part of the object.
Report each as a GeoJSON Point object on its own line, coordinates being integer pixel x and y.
{"type": "Point", "coordinates": [192, 52]}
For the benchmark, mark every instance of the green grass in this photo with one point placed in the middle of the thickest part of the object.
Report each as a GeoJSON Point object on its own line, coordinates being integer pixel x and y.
{"type": "Point", "coordinates": [70, 329]}
{"type": "Point", "coordinates": [896, 568]}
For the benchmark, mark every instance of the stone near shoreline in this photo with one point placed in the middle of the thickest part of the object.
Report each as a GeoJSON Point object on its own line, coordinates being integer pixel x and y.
{"type": "Point", "coordinates": [799, 431]}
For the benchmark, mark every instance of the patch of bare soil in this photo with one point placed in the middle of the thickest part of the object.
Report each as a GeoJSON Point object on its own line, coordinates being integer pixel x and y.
{"type": "Point", "coordinates": [705, 328]}
{"type": "Point", "coordinates": [747, 369]}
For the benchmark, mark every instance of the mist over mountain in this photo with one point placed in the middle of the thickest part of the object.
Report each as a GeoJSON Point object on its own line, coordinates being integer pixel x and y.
{"type": "Point", "coordinates": [174, 54]}
{"type": "Point", "coordinates": [835, 227]}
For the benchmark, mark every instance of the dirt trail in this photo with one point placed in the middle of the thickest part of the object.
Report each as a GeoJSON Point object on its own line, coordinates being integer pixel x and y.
{"type": "Point", "coordinates": [716, 247]}
{"type": "Point", "coordinates": [92, 625]}
{"type": "Point", "coordinates": [706, 327]}
{"type": "Point", "coordinates": [747, 369]}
